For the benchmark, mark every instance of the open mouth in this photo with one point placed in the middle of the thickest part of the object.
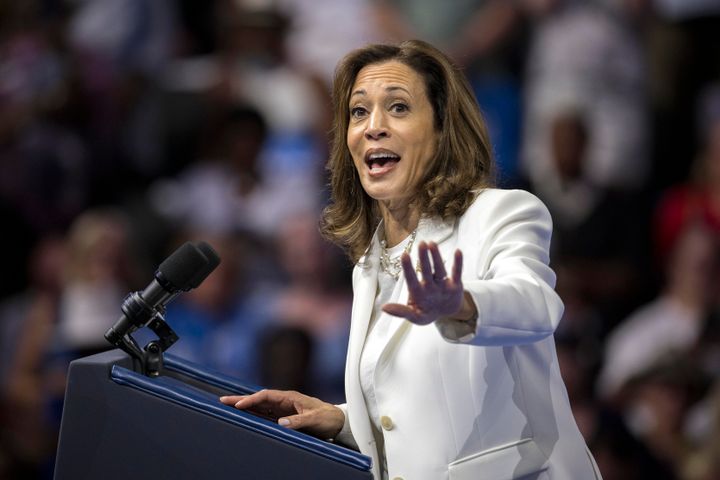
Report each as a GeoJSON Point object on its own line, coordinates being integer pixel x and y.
{"type": "Point", "coordinates": [380, 160]}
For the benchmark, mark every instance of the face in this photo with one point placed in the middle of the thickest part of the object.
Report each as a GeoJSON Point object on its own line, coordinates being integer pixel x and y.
{"type": "Point", "coordinates": [391, 134]}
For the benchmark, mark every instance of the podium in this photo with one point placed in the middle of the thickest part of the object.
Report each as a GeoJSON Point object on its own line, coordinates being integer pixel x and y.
{"type": "Point", "coordinates": [118, 423]}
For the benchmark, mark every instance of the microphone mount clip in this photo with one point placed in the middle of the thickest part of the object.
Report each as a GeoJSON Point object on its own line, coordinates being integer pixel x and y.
{"type": "Point", "coordinates": [150, 357]}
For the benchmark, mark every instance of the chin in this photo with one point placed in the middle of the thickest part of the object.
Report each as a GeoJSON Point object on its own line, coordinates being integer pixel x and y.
{"type": "Point", "coordinates": [385, 190]}
{"type": "Point", "coordinates": [385, 196]}
{"type": "Point", "coordinates": [378, 193]}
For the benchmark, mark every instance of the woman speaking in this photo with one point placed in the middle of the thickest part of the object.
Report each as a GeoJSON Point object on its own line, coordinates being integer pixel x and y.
{"type": "Point", "coordinates": [451, 370]}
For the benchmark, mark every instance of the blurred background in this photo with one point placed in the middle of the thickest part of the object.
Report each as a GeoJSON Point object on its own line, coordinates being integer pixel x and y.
{"type": "Point", "coordinates": [128, 127]}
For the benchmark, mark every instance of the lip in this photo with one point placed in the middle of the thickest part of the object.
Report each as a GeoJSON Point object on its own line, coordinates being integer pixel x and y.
{"type": "Point", "coordinates": [373, 151]}
{"type": "Point", "coordinates": [379, 171]}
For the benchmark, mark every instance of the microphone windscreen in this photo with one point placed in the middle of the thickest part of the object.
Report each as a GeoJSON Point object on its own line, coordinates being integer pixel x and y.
{"type": "Point", "coordinates": [213, 260]}
{"type": "Point", "coordinates": [181, 268]}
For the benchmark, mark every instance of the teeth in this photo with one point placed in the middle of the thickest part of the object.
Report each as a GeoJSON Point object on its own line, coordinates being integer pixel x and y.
{"type": "Point", "coordinates": [377, 156]}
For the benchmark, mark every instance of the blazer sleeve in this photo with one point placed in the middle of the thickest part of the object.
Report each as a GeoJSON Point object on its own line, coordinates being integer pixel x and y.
{"type": "Point", "coordinates": [510, 281]}
{"type": "Point", "coordinates": [345, 436]}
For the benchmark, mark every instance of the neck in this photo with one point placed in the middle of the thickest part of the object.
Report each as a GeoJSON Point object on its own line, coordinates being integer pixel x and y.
{"type": "Point", "coordinates": [398, 221]}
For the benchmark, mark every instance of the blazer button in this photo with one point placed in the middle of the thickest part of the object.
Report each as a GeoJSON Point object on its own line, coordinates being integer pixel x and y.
{"type": "Point", "coordinates": [386, 422]}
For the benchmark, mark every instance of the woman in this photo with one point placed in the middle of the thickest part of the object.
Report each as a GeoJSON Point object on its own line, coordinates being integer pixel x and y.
{"type": "Point", "coordinates": [451, 370]}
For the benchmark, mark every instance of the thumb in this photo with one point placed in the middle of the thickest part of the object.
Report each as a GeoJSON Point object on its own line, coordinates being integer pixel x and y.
{"type": "Point", "coordinates": [400, 310]}
{"type": "Point", "coordinates": [293, 421]}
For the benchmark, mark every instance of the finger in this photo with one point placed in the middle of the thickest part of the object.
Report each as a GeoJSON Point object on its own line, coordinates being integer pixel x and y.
{"type": "Point", "coordinates": [249, 401]}
{"type": "Point", "coordinates": [425, 267]}
{"type": "Point", "coordinates": [231, 399]}
{"type": "Point", "coordinates": [457, 267]}
{"type": "Point", "coordinates": [440, 273]}
{"type": "Point", "coordinates": [262, 398]}
{"type": "Point", "coordinates": [400, 310]}
{"type": "Point", "coordinates": [409, 272]}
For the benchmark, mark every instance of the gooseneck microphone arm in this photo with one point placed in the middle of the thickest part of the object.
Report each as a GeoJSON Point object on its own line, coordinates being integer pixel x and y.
{"type": "Point", "coordinates": [184, 270]}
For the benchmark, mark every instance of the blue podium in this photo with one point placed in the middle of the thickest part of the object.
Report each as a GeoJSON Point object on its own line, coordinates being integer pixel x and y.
{"type": "Point", "coordinates": [118, 423]}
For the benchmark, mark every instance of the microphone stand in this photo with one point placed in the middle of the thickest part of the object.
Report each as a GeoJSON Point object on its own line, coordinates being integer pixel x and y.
{"type": "Point", "coordinates": [151, 356]}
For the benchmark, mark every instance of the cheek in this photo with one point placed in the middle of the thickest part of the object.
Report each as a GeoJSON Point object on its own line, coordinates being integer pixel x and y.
{"type": "Point", "coordinates": [425, 151]}
{"type": "Point", "coordinates": [354, 158]}
{"type": "Point", "coordinates": [352, 140]}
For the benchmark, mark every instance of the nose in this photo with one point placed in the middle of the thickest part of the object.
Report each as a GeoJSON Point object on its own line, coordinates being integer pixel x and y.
{"type": "Point", "coordinates": [376, 128]}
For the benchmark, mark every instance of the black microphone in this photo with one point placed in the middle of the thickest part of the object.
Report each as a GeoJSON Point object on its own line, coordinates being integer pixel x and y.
{"type": "Point", "coordinates": [184, 270]}
{"type": "Point", "coordinates": [213, 260]}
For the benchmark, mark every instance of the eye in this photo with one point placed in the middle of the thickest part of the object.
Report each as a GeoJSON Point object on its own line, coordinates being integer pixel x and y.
{"type": "Point", "coordinates": [399, 107]}
{"type": "Point", "coordinates": [358, 112]}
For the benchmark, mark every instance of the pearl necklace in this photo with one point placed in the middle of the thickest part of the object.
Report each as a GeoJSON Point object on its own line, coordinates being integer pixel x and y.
{"type": "Point", "coordinates": [392, 266]}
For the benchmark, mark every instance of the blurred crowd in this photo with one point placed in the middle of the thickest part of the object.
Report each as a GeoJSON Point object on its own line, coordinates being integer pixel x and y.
{"type": "Point", "coordinates": [128, 127]}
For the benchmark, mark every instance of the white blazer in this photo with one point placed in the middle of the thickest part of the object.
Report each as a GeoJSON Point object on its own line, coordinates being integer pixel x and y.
{"type": "Point", "coordinates": [488, 404]}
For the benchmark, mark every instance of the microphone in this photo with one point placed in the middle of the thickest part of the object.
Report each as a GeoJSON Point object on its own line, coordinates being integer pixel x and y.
{"type": "Point", "coordinates": [213, 260]}
{"type": "Point", "coordinates": [183, 270]}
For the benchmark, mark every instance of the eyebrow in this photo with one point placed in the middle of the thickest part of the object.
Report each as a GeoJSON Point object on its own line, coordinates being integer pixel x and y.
{"type": "Point", "coordinates": [392, 88]}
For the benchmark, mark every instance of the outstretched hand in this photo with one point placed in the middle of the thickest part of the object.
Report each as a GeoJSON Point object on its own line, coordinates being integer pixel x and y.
{"type": "Point", "coordinates": [293, 410]}
{"type": "Point", "coordinates": [434, 296]}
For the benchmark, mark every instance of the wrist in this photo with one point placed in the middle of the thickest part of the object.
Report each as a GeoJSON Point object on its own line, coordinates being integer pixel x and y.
{"type": "Point", "coordinates": [467, 312]}
{"type": "Point", "coordinates": [338, 422]}
{"type": "Point", "coordinates": [462, 326]}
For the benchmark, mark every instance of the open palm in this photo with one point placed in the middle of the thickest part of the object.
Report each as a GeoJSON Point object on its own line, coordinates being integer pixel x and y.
{"type": "Point", "coordinates": [433, 296]}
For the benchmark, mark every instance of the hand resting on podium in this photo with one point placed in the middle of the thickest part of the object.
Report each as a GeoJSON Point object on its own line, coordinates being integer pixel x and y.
{"type": "Point", "coordinates": [293, 410]}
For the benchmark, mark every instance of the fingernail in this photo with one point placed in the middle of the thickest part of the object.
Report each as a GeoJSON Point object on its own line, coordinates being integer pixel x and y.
{"type": "Point", "coordinates": [284, 422]}
{"type": "Point", "coordinates": [237, 405]}
{"type": "Point", "coordinates": [222, 398]}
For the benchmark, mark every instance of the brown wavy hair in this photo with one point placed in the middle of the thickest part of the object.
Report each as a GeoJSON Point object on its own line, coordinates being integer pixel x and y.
{"type": "Point", "coordinates": [462, 165]}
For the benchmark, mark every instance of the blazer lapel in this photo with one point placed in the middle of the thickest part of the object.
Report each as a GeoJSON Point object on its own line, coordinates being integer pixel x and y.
{"type": "Point", "coordinates": [364, 291]}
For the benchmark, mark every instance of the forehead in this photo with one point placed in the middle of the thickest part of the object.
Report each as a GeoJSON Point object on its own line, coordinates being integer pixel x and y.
{"type": "Point", "coordinates": [388, 75]}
